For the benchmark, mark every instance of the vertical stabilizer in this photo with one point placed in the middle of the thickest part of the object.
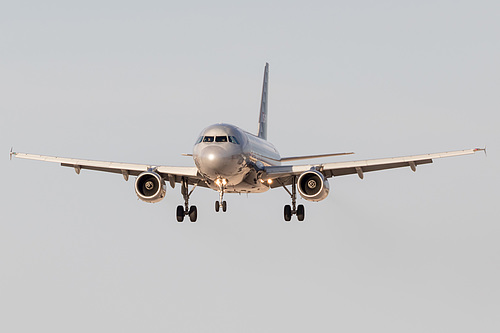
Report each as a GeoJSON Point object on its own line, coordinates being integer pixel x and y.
{"type": "Point", "coordinates": [263, 106]}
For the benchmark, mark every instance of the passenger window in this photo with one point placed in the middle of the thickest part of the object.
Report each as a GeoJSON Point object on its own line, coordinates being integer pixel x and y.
{"type": "Point", "coordinates": [221, 138]}
{"type": "Point", "coordinates": [208, 139]}
{"type": "Point", "coordinates": [232, 139]}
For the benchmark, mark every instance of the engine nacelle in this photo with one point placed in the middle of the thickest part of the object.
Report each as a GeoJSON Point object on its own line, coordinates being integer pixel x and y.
{"type": "Point", "coordinates": [313, 186]}
{"type": "Point", "coordinates": [150, 187]}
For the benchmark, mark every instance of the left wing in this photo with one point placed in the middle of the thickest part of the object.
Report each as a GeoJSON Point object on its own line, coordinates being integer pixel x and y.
{"type": "Point", "coordinates": [284, 173]}
{"type": "Point", "coordinates": [172, 173]}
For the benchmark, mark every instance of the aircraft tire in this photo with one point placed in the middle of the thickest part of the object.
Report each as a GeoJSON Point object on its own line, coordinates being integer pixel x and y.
{"type": "Point", "coordinates": [180, 214]}
{"type": "Point", "coordinates": [301, 213]}
{"type": "Point", "coordinates": [287, 213]}
{"type": "Point", "coordinates": [193, 214]}
{"type": "Point", "coordinates": [217, 206]}
{"type": "Point", "coordinates": [224, 206]}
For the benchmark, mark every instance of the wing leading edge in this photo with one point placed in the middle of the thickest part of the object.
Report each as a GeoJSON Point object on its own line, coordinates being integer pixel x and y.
{"type": "Point", "coordinates": [168, 172]}
{"type": "Point", "coordinates": [284, 173]}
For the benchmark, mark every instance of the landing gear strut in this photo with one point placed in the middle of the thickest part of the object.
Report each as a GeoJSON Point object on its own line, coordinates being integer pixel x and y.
{"type": "Point", "coordinates": [294, 209]}
{"type": "Point", "coordinates": [221, 203]}
{"type": "Point", "coordinates": [182, 211]}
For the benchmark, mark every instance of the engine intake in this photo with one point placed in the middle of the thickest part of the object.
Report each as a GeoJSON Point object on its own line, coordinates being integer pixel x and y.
{"type": "Point", "coordinates": [150, 187]}
{"type": "Point", "coordinates": [313, 186]}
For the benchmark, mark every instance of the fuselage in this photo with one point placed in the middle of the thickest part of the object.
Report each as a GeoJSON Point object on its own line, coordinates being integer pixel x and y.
{"type": "Point", "coordinates": [225, 154]}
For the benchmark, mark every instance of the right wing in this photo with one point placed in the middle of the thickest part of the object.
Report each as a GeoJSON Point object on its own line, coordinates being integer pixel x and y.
{"type": "Point", "coordinates": [172, 173]}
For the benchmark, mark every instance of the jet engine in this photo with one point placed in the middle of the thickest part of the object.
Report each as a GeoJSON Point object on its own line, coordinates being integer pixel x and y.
{"type": "Point", "coordinates": [150, 187]}
{"type": "Point", "coordinates": [313, 186]}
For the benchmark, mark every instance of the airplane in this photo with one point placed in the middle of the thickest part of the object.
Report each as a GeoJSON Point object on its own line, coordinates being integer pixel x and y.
{"type": "Point", "coordinates": [230, 160]}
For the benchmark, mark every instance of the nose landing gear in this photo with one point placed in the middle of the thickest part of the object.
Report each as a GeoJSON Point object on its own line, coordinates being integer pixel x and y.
{"type": "Point", "coordinates": [221, 203]}
{"type": "Point", "coordinates": [182, 211]}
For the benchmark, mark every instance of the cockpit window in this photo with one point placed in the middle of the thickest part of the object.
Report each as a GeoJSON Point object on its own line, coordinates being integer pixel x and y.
{"type": "Point", "coordinates": [232, 139]}
{"type": "Point", "coordinates": [200, 139]}
{"type": "Point", "coordinates": [218, 138]}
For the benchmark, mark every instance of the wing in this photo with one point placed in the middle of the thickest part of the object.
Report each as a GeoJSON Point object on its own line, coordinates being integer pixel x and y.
{"type": "Point", "coordinates": [172, 173]}
{"type": "Point", "coordinates": [283, 174]}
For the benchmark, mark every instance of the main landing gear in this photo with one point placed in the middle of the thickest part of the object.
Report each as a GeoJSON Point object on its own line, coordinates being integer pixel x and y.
{"type": "Point", "coordinates": [221, 203]}
{"type": "Point", "coordinates": [294, 209]}
{"type": "Point", "coordinates": [182, 211]}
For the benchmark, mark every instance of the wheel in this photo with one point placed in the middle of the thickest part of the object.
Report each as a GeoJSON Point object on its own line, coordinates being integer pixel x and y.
{"type": "Point", "coordinates": [301, 213]}
{"type": "Point", "coordinates": [224, 206]}
{"type": "Point", "coordinates": [180, 214]}
{"type": "Point", "coordinates": [217, 206]}
{"type": "Point", "coordinates": [193, 213]}
{"type": "Point", "coordinates": [287, 213]}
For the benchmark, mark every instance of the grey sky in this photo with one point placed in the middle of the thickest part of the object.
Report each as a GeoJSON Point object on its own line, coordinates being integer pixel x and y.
{"type": "Point", "coordinates": [136, 82]}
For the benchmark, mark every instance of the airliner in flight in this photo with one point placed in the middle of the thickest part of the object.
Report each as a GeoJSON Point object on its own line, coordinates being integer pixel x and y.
{"type": "Point", "coordinates": [230, 160]}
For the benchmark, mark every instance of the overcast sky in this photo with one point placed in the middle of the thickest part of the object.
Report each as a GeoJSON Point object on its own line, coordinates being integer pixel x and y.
{"type": "Point", "coordinates": [137, 81]}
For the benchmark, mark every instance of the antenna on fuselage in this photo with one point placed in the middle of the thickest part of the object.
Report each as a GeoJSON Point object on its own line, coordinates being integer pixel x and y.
{"type": "Point", "coordinates": [263, 106]}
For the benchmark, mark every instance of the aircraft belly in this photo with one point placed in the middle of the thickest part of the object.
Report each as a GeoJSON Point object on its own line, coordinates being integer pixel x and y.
{"type": "Point", "coordinates": [247, 188]}
{"type": "Point", "coordinates": [250, 184]}
{"type": "Point", "coordinates": [244, 182]}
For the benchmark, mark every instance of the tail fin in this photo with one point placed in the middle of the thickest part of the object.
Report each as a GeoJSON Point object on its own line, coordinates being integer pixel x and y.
{"type": "Point", "coordinates": [263, 106]}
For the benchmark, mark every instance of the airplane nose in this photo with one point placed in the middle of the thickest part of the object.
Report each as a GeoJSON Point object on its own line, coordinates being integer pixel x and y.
{"type": "Point", "coordinates": [216, 161]}
{"type": "Point", "coordinates": [213, 158]}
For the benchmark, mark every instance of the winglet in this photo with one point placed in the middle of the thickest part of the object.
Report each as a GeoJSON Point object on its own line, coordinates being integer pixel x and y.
{"type": "Point", "coordinates": [481, 149]}
{"type": "Point", "coordinates": [11, 153]}
{"type": "Point", "coordinates": [263, 106]}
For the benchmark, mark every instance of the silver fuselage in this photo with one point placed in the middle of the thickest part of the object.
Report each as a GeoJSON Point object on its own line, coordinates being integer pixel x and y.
{"type": "Point", "coordinates": [226, 153]}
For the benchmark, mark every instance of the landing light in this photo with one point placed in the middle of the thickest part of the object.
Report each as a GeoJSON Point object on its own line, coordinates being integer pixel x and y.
{"type": "Point", "coordinates": [220, 181]}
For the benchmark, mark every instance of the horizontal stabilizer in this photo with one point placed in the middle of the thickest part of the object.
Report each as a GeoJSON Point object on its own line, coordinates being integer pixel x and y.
{"type": "Point", "coordinates": [297, 158]}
